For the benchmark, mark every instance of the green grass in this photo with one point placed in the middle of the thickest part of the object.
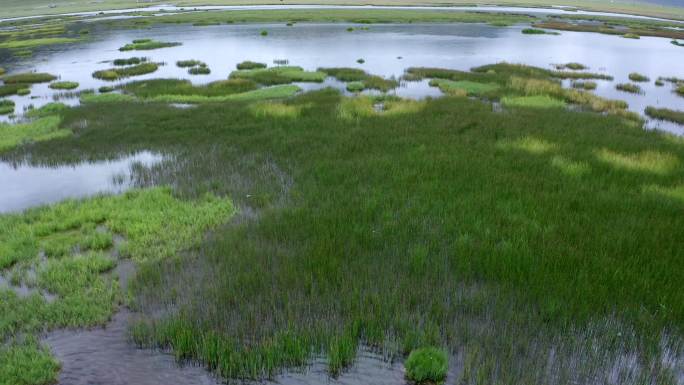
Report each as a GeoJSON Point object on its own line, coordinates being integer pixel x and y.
{"type": "Point", "coordinates": [189, 63]}
{"type": "Point", "coordinates": [76, 237]}
{"type": "Point", "coordinates": [279, 75]}
{"type": "Point", "coordinates": [124, 72]}
{"type": "Point", "coordinates": [359, 76]}
{"type": "Point", "coordinates": [585, 85]}
{"type": "Point", "coordinates": [46, 128]}
{"type": "Point", "coordinates": [10, 89]}
{"type": "Point", "coordinates": [63, 85]}
{"type": "Point", "coordinates": [129, 61]}
{"type": "Point", "coordinates": [637, 77]}
{"type": "Point", "coordinates": [540, 101]}
{"type": "Point", "coordinates": [427, 365]}
{"type": "Point", "coordinates": [29, 77]}
{"type": "Point", "coordinates": [250, 65]}
{"type": "Point", "coordinates": [264, 33]}
{"type": "Point", "coordinates": [34, 43]}
{"type": "Point", "coordinates": [665, 114]}
{"type": "Point", "coordinates": [274, 92]}
{"type": "Point", "coordinates": [200, 70]}
{"type": "Point", "coordinates": [6, 106]}
{"type": "Point", "coordinates": [499, 231]}
{"type": "Point", "coordinates": [24, 91]}
{"type": "Point", "coordinates": [534, 31]}
{"type": "Point", "coordinates": [355, 86]}
{"type": "Point", "coordinates": [572, 66]}
{"type": "Point", "coordinates": [105, 89]}
{"type": "Point", "coordinates": [451, 87]}
{"type": "Point", "coordinates": [629, 87]}
{"type": "Point", "coordinates": [155, 87]}
{"type": "Point", "coordinates": [147, 44]}
{"type": "Point", "coordinates": [631, 36]}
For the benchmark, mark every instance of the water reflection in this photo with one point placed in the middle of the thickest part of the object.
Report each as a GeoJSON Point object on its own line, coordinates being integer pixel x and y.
{"type": "Point", "coordinates": [25, 185]}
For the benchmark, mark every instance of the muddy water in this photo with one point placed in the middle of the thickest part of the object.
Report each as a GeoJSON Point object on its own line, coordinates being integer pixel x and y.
{"type": "Point", "coordinates": [103, 356]}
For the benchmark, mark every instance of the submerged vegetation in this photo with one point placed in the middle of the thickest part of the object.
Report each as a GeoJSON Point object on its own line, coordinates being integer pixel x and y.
{"type": "Point", "coordinates": [665, 114]}
{"type": "Point", "coordinates": [124, 72]}
{"type": "Point", "coordinates": [147, 44]}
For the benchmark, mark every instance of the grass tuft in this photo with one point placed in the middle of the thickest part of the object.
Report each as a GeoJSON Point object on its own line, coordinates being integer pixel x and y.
{"type": "Point", "coordinates": [29, 77]}
{"type": "Point", "coordinates": [124, 72]}
{"type": "Point", "coordinates": [63, 85]}
{"type": "Point", "coordinates": [250, 65]}
{"type": "Point", "coordinates": [147, 44]}
{"type": "Point", "coordinates": [427, 365]}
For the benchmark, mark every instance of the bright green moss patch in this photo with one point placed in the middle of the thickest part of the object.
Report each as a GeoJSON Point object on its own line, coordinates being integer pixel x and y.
{"type": "Point", "coordinates": [629, 87]}
{"type": "Point", "coordinates": [631, 36]}
{"type": "Point", "coordinates": [147, 44]}
{"type": "Point", "coordinates": [452, 87]}
{"type": "Point", "coordinates": [539, 101]}
{"type": "Point", "coordinates": [63, 85]}
{"type": "Point", "coordinates": [427, 365]}
{"type": "Point", "coordinates": [637, 77]}
{"type": "Point", "coordinates": [124, 72]}
{"type": "Point", "coordinates": [29, 77]}
{"type": "Point", "coordinates": [665, 114]}
{"type": "Point", "coordinates": [12, 135]}
{"type": "Point", "coordinates": [355, 86]}
{"type": "Point", "coordinates": [250, 65]}
{"type": "Point", "coordinates": [6, 106]}
{"type": "Point", "coordinates": [279, 75]}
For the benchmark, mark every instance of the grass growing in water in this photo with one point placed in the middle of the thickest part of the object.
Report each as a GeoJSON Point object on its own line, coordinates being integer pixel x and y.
{"type": "Point", "coordinates": [63, 85]}
{"type": "Point", "coordinates": [10, 89]}
{"type": "Point", "coordinates": [637, 77]}
{"type": "Point", "coordinates": [572, 66]}
{"type": "Point", "coordinates": [29, 77]}
{"type": "Point", "coordinates": [129, 61]}
{"type": "Point", "coordinates": [189, 63]}
{"type": "Point", "coordinates": [279, 75]}
{"type": "Point", "coordinates": [359, 76]}
{"type": "Point", "coordinates": [427, 365]}
{"type": "Point", "coordinates": [147, 44]}
{"type": "Point", "coordinates": [6, 106]}
{"type": "Point", "coordinates": [452, 87]}
{"type": "Point", "coordinates": [629, 87]}
{"type": "Point", "coordinates": [250, 65]}
{"type": "Point", "coordinates": [588, 85]}
{"type": "Point", "coordinates": [539, 101]}
{"type": "Point", "coordinates": [534, 31]}
{"type": "Point", "coordinates": [42, 129]}
{"type": "Point", "coordinates": [156, 87]}
{"type": "Point", "coordinates": [124, 72]}
{"type": "Point", "coordinates": [631, 36]}
{"type": "Point", "coordinates": [665, 114]}
{"type": "Point", "coordinates": [200, 70]}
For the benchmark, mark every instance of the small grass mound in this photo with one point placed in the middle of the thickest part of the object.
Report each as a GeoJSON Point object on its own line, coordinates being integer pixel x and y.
{"type": "Point", "coordinates": [588, 85]}
{"type": "Point", "coordinates": [355, 86]}
{"type": "Point", "coordinates": [189, 63]}
{"type": "Point", "coordinates": [631, 36]}
{"type": "Point", "coordinates": [200, 70]}
{"type": "Point", "coordinates": [147, 44]}
{"type": "Point", "coordinates": [63, 85]}
{"type": "Point", "coordinates": [129, 61]}
{"type": "Point", "coordinates": [29, 77]}
{"type": "Point", "coordinates": [105, 89]}
{"type": "Point", "coordinates": [628, 87]}
{"type": "Point", "coordinates": [250, 65]}
{"type": "Point", "coordinates": [427, 365]}
{"type": "Point", "coordinates": [264, 33]}
{"type": "Point", "coordinates": [359, 76]}
{"type": "Point", "coordinates": [665, 114]}
{"type": "Point", "coordinates": [118, 73]}
{"type": "Point", "coordinates": [572, 66]}
{"type": "Point", "coordinates": [279, 75]}
{"type": "Point", "coordinates": [6, 106]}
{"type": "Point", "coordinates": [10, 89]}
{"type": "Point", "coordinates": [156, 87]}
{"type": "Point", "coordinates": [637, 77]}
{"type": "Point", "coordinates": [537, 101]}
{"type": "Point", "coordinates": [535, 31]}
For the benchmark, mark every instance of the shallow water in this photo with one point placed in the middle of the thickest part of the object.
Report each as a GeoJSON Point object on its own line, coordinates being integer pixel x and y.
{"type": "Point", "coordinates": [387, 50]}
{"type": "Point", "coordinates": [25, 185]}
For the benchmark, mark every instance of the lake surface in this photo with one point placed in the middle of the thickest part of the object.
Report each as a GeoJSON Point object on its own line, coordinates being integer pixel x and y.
{"type": "Point", "coordinates": [387, 50]}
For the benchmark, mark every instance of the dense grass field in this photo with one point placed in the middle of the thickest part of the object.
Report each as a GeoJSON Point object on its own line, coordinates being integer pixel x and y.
{"type": "Point", "coordinates": [534, 244]}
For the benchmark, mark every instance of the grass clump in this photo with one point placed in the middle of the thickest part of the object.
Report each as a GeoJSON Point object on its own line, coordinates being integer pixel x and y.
{"type": "Point", "coordinates": [26, 362]}
{"type": "Point", "coordinates": [355, 86]}
{"type": "Point", "coordinates": [29, 77]}
{"type": "Point", "coordinates": [637, 77]}
{"type": "Point", "coordinates": [10, 89]}
{"type": "Point", "coordinates": [629, 87]}
{"type": "Point", "coordinates": [129, 61]}
{"type": "Point", "coordinates": [534, 31]}
{"type": "Point", "coordinates": [665, 114]}
{"type": "Point", "coordinates": [24, 91]}
{"type": "Point", "coordinates": [189, 63]}
{"type": "Point", "coordinates": [6, 106]}
{"type": "Point", "coordinates": [124, 72]}
{"type": "Point", "coordinates": [572, 66]}
{"type": "Point", "coordinates": [147, 44]}
{"type": "Point", "coordinates": [156, 87]}
{"type": "Point", "coordinates": [250, 65]}
{"type": "Point", "coordinates": [63, 85]}
{"type": "Point", "coordinates": [631, 36]}
{"type": "Point", "coordinates": [27, 44]}
{"type": "Point", "coordinates": [274, 92]}
{"type": "Point", "coordinates": [199, 70]}
{"type": "Point", "coordinates": [105, 89]}
{"type": "Point", "coordinates": [264, 33]}
{"type": "Point", "coordinates": [427, 365]}
{"type": "Point", "coordinates": [279, 75]}
{"type": "Point", "coordinates": [587, 85]}
{"type": "Point", "coordinates": [539, 101]}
